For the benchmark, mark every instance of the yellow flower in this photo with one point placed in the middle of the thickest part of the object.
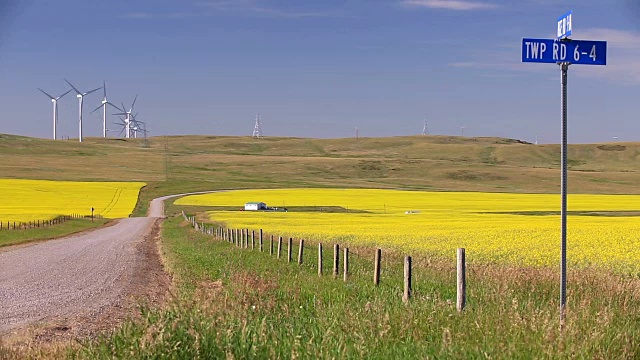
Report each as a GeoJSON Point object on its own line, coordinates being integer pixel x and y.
{"type": "Point", "coordinates": [520, 229]}
{"type": "Point", "coordinates": [27, 200]}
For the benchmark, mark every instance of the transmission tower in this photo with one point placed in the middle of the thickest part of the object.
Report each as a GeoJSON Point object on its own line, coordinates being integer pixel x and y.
{"type": "Point", "coordinates": [425, 129]}
{"type": "Point", "coordinates": [257, 129]}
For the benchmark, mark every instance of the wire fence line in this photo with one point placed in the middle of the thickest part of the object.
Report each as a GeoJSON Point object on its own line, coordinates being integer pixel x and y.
{"type": "Point", "coordinates": [245, 239]}
{"type": "Point", "coordinates": [34, 224]}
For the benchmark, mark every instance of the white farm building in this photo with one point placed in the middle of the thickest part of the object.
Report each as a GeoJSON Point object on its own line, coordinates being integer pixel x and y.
{"type": "Point", "coordinates": [255, 206]}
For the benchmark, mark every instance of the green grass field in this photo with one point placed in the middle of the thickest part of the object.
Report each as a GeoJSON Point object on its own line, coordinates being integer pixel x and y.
{"type": "Point", "coordinates": [241, 303]}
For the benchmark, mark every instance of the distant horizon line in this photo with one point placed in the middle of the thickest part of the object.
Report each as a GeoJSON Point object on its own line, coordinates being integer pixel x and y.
{"type": "Point", "coordinates": [511, 140]}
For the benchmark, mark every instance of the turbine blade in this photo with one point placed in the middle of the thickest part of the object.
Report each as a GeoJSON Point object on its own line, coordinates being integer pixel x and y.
{"type": "Point", "coordinates": [44, 92]}
{"type": "Point", "coordinates": [114, 106]}
{"type": "Point", "coordinates": [60, 97]}
{"type": "Point", "coordinates": [120, 114]}
{"type": "Point", "coordinates": [98, 108]}
{"type": "Point", "coordinates": [73, 87]}
{"type": "Point", "coordinates": [104, 88]}
{"type": "Point", "coordinates": [89, 92]}
{"type": "Point", "coordinates": [124, 109]}
{"type": "Point", "coordinates": [134, 102]}
{"type": "Point", "coordinates": [121, 132]}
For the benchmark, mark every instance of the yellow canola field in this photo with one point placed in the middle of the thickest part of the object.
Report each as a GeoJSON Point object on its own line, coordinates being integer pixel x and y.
{"type": "Point", "coordinates": [483, 223]}
{"type": "Point", "coordinates": [27, 200]}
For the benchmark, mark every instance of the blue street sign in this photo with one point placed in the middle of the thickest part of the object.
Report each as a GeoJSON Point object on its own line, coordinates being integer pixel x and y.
{"type": "Point", "coordinates": [565, 25]}
{"type": "Point", "coordinates": [581, 52]}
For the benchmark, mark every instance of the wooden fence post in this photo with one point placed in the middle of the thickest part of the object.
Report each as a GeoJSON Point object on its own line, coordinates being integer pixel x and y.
{"type": "Point", "coordinates": [271, 245]}
{"type": "Point", "coordinates": [346, 264]}
{"type": "Point", "coordinates": [376, 267]}
{"type": "Point", "coordinates": [261, 246]}
{"type": "Point", "coordinates": [319, 259]}
{"type": "Point", "coordinates": [279, 247]}
{"type": "Point", "coordinates": [407, 279]}
{"type": "Point", "coordinates": [289, 249]}
{"type": "Point", "coordinates": [253, 239]}
{"type": "Point", "coordinates": [300, 250]}
{"type": "Point", "coordinates": [336, 260]}
{"type": "Point", "coordinates": [461, 298]}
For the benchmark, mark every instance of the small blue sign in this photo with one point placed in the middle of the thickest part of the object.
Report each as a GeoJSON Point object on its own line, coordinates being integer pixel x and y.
{"type": "Point", "coordinates": [565, 25]}
{"type": "Point", "coordinates": [581, 52]}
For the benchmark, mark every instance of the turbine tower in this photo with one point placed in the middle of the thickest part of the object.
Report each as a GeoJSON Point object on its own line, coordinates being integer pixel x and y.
{"type": "Point", "coordinates": [462, 130]}
{"type": "Point", "coordinates": [81, 96]}
{"type": "Point", "coordinates": [105, 102]}
{"type": "Point", "coordinates": [425, 129]}
{"type": "Point", "coordinates": [54, 100]}
{"type": "Point", "coordinates": [257, 129]}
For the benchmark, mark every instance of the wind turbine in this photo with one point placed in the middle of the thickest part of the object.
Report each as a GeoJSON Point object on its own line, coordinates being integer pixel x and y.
{"type": "Point", "coordinates": [104, 104]}
{"type": "Point", "coordinates": [136, 125]}
{"type": "Point", "coordinates": [54, 100]}
{"type": "Point", "coordinates": [81, 96]}
{"type": "Point", "coordinates": [128, 117]}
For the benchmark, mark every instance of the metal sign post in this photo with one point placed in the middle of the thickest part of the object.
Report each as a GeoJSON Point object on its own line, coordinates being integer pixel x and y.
{"type": "Point", "coordinates": [564, 52]}
{"type": "Point", "coordinates": [564, 67]}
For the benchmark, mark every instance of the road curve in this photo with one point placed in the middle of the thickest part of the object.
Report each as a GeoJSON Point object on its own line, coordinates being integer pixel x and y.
{"type": "Point", "coordinates": [156, 209]}
{"type": "Point", "coordinates": [74, 275]}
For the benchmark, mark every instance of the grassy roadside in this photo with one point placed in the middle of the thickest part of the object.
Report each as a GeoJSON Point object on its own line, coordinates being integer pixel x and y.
{"type": "Point", "coordinates": [15, 237]}
{"type": "Point", "coordinates": [235, 303]}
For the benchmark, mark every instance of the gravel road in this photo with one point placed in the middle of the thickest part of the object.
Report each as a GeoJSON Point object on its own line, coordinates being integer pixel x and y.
{"type": "Point", "coordinates": [75, 275]}
{"type": "Point", "coordinates": [72, 276]}
{"type": "Point", "coordinates": [63, 277]}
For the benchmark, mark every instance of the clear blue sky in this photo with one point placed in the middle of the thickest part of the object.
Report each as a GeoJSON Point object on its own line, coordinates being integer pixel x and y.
{"type": "Point", "coordinates": [319, 68]}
